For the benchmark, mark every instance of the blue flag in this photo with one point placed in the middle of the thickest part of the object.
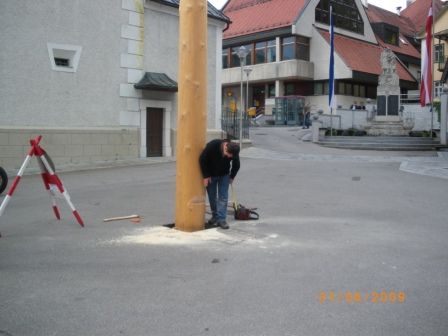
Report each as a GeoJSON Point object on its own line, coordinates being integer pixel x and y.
{"type": "Point", "coordinates": [331, 97]}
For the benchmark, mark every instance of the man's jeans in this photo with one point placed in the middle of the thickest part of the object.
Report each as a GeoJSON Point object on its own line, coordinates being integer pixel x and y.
{"type": "Point", "coordinates": [218, 194]}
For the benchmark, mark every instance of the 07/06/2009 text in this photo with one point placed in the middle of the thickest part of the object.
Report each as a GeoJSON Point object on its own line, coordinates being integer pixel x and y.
{"type": "Point", "coordinates": [362, 297]}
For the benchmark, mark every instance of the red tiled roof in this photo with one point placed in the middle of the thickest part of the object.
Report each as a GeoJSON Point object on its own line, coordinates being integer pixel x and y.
{"type": "Point", "coordinates": [417, 12]}
{"type": "Point", "coordinates": [380, 15]}
{"type": "Point", "coordinates": [362, 56]}
{"type": "Point", "coordinates": [253, 16]}
{"type": "Point", "coordinates": [377, 14]}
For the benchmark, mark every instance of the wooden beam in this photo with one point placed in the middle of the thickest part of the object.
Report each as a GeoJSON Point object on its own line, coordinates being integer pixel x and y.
{"type": "Point", "coordinates": [192, 115]}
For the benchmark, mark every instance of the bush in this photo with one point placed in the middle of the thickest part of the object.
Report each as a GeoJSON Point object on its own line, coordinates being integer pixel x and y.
{"type": "Point", "coordinates": [422, 134]}
{"type": "Point", "coordinates": [347, 132]}
{"type": "Point", "coordinates": [437, 108]}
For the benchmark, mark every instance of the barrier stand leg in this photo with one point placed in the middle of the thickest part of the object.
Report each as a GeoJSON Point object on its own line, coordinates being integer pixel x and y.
{"type": "Point", "coordinates": [49, 187]}
{"type": "Point", "coordinates": [49, 177]}
{"type": "Point", "coordinates": [52, 178]}
{"type": "Point", "coordinates": [16, 181]}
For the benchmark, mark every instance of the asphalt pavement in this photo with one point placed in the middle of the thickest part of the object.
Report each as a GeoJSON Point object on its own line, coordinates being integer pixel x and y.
{"type": "Point", "coordinates": [348, 243]}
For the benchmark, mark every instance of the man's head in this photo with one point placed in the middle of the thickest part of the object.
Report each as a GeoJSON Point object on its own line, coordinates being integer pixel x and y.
{"type": "Point", "coordinates": [231, 149]}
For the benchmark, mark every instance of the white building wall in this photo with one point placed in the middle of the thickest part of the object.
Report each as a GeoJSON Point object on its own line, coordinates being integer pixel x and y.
{"type": "Point", "coordinates": [31, 92]}
{"type": "Point", "coordinates": [320, 54]}
{"type": "Point", "coordinates": [162, 42]}
{"type": "Point", "coordinates": [93, 112]}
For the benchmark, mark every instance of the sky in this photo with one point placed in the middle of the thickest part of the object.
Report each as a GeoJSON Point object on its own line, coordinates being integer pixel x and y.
{"type": "Point", "coordinates": [390, 5]}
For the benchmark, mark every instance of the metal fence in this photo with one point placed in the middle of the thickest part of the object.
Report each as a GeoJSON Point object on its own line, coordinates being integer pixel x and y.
{"type": "Point", "coordinates": [230, 122]}
{"type": "Point", "coordinates": [330, 120]}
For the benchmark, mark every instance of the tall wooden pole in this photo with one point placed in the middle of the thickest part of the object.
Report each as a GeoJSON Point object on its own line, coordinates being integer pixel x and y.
{"type": "Point", "coordinates": [192, 115]}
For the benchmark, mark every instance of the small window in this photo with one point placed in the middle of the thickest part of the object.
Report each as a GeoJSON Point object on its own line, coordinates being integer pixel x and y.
{"type": "Point", "coordinates": [303, 48]}
{"type": "Point", "coordinates": [270, 51]}
{"type": "Point", "coordinates": [362, 91]}
{"type": "Point", "coordinates": [64, 62]}
{"type": "Point", "coordinates": [391, 36]}
{"type": "Point", "coordinates": [225, 58]}
{"type": "Point", "coordinates": [341, 88]}
{"type": "Point", "coordinates": [289, 89]}
{"type": "Point", "coordinates": [288, 48]}
{"type": "Point", "coordinates": [64, 57]}
{"type": "Point", "coordinates": [271, 90]}
{"type": "Point", "coordinates": [439, 56]}
{"type": "Point", "coordinates": [260, 52]}
{"type": "Point", "coordinates": [348, 89]}
{"type": "Point", "coordinates": [326, 88]}
{"type": "Point", "coordinates": [318, 88]}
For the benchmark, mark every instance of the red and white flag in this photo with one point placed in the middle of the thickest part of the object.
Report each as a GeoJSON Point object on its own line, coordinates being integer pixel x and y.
{"type": "Point", "coordinates": [426, 82]}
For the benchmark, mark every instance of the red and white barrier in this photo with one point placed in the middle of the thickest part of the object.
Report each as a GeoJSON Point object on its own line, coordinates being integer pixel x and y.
{"type": "Point", "coordinates": [51, 181]}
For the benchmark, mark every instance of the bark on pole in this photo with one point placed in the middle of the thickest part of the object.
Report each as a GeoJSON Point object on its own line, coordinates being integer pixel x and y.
{"type": "Point", "coordinates": [192, 115]}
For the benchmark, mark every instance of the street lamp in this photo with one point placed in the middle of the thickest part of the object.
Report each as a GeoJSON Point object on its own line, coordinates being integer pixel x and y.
{"type": "Point", "coordinates": [247, 70]}
{"type": "Point", "coordinates": [242, 53]}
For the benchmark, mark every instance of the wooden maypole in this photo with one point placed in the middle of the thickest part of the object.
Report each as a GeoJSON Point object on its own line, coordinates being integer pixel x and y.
{"type": "Point", "coordinates": [192, 115]}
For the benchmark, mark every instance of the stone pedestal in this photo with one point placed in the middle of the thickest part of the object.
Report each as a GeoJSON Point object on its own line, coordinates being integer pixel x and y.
{"type": "Point", "coordinates": [315, 130]}
{"type": "Point", "coordinates": [387, 120]}
{"type": "Point", "coordinates": [387, 127]}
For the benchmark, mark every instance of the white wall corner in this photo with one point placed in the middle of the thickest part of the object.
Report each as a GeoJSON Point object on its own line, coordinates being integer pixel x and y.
{"type": "Point", "coordinates": [133, 5]}
{"type": "Point", "coordinates": [136, 47]}
{"type": "Point", "coordinates": [128, 90]}
{"type": "Point", "coordinates": [135, 75]}
{"type": "Point", "coordinates": [136, 19]}
{"type": "Point", "coordinates": [132, 32]}
{"type": "Point", "coordinates": [131, 61]}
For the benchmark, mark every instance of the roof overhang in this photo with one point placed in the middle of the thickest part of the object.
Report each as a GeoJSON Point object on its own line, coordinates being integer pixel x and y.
{"type": "Point", "coordinates": [442, 35]}
{"type": "Point", "coordinates": [157, 82]}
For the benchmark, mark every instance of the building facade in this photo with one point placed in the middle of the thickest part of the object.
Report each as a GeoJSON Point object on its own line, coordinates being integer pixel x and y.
{"type": "Point", "coordinates": [98, 79]}
{"type": "Point", "coordinates": [289, 51]}
{"type": "Point", "coordinates": [440, 48]}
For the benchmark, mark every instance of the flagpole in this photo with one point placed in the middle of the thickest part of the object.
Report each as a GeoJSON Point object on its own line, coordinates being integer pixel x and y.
{"type": "Point", "coordinates": [331, 97]}
{"type": "Point", "coordinates": [432, 68]}
{"type": "Point", "coordinates": [426, 85]}
{"type": "Point", "coordinates": [331, 121]}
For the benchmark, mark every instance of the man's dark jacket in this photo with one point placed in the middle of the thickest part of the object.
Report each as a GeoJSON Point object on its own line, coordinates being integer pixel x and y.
{"type": "Point", "coordinates": [214, 163]}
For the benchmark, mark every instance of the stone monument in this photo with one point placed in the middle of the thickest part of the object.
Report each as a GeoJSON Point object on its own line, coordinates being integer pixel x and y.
{"type": "Point", "coordinates": [387, 120]}
{"type": "Point", "coordinates": [388, 91]}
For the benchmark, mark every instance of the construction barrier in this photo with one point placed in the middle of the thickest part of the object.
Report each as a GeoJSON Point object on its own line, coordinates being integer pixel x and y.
{"type": "Point", "coordinates": [52, 182]}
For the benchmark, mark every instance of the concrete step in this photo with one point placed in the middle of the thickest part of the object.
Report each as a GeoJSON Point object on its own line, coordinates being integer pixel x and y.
{"type": "Point", "coordinates": [379, 139]}
{"type": "Point", "coordinates": [391, 143]}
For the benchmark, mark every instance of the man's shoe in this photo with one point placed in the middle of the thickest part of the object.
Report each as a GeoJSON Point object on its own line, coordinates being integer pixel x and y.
{"type": "Point", "coordinates": [212, 222]}
{"type": "Point", "coordinates": [223, 225]}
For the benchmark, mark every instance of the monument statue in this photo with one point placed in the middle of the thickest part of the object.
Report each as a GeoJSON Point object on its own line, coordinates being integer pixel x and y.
{"type": "Point", "coordinates": [389, 114]}
{"type": "Point", "coordinates": [388, 91]}
{"type": "Point", "coordinates": [389, 75]}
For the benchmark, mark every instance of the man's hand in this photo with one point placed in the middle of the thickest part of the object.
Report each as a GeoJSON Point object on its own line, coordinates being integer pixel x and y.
{"type": "Point", "coordinates": [207, 181]}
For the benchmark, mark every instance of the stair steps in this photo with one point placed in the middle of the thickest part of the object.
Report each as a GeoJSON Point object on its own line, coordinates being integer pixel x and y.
{"type": "Point", "coordinates": [387, 143]}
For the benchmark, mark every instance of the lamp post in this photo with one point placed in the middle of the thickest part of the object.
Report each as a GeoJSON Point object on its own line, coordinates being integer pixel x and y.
{"type": "Point", "coordinates": [242, 53]}
{"type": "Point", "coordinates": [247, 70]}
